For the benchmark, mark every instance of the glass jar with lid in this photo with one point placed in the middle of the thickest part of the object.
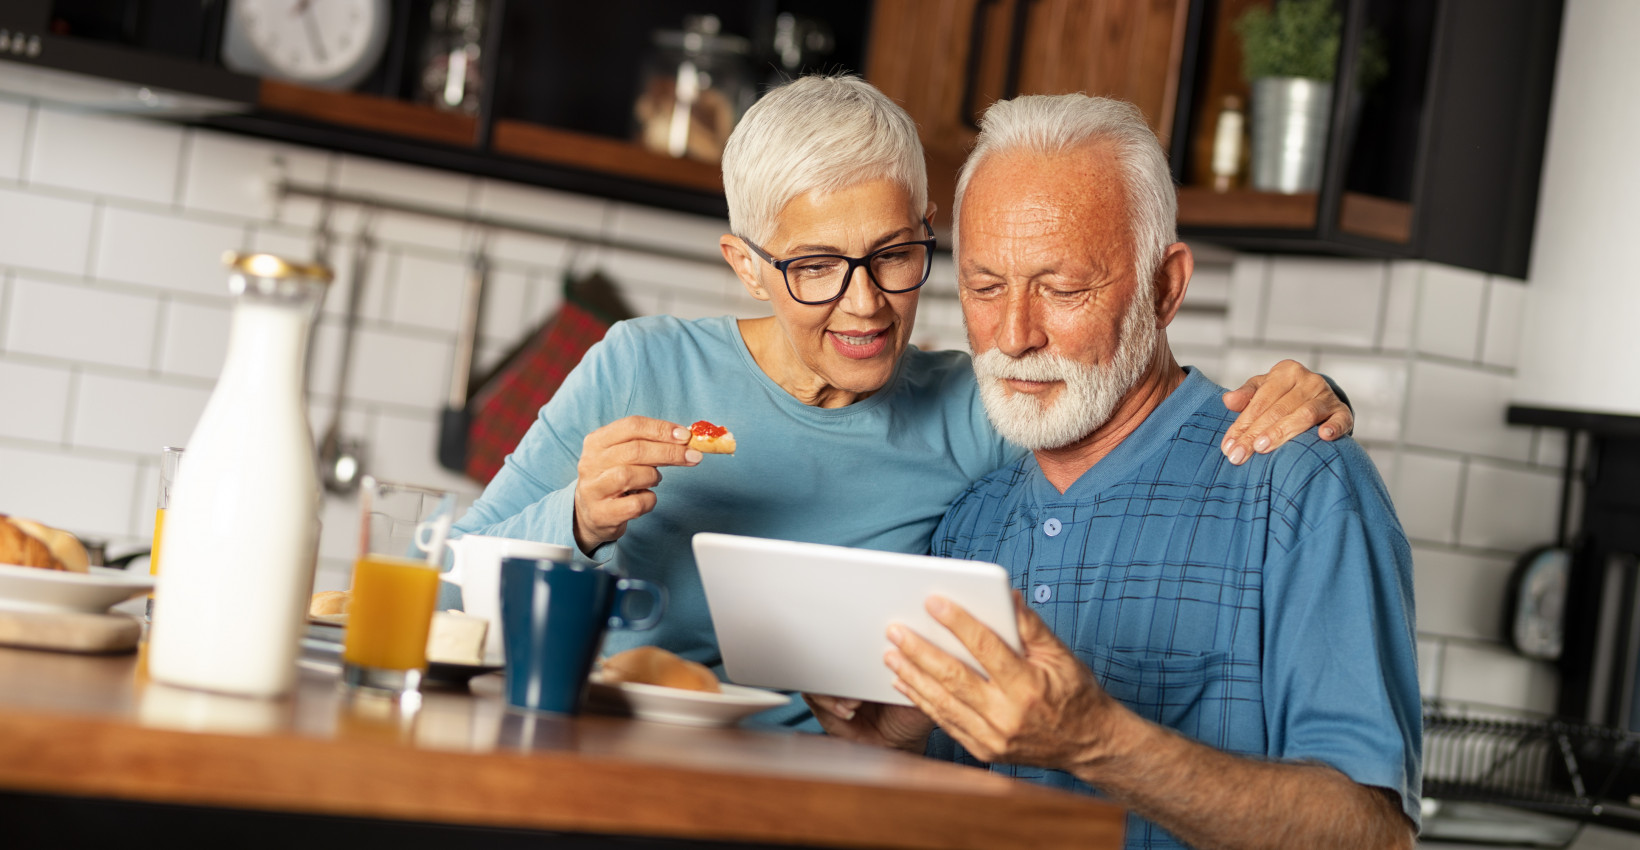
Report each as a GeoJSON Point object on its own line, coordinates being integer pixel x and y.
{"type": "Point", "coordinates": [694, 87]}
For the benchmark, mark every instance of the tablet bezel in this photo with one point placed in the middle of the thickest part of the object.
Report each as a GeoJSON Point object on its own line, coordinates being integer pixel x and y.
{"type": "Point", "coordinates": [813, 617]}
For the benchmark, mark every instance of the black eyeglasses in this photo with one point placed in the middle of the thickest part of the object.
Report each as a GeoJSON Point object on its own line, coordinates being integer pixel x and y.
{"type": "Point", "coordinates": [823, 278]}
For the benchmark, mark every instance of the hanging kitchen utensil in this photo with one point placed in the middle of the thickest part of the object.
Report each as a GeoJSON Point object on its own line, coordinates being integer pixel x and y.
{"type": "Point", "coordinates": [341, 458]}
{"type": "Point", "coordinates": [509, 399]}
{"type": "Point", "coordinates": [456, 417]}
{"type": "Point", "coordinates": [1535, 602]}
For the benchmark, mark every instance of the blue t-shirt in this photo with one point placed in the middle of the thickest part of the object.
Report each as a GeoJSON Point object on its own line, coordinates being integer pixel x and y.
{"type": "Point", "coordinates": [877, 474]}
{"type": "Point", "coordinates": [1265, 610]}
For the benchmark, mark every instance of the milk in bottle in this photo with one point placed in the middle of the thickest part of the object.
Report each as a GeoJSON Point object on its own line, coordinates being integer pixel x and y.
{"type": "Point", "coordinates": [242, 526]}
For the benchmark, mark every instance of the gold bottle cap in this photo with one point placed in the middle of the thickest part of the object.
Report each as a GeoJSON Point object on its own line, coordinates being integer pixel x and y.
{"type": "Point", "coordinates": [277, 268]}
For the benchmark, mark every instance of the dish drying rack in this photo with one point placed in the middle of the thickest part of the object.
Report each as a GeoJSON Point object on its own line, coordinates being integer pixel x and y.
{"type": "Point", "coordinates": [1548, 765]}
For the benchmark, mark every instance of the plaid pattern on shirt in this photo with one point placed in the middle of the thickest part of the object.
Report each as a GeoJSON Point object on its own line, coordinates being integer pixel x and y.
{"type": "Point", "coordinates": [1245, 607]}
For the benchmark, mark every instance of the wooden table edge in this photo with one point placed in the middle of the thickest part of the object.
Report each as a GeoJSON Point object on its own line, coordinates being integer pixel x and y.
{"type": "Point", "coordinates": [87, 756]}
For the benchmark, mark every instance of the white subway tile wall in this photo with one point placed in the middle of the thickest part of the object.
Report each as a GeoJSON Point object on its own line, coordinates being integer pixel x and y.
{"type": "Point", "coordinates": [42, 418]}
{"type": "Point", "coordinates": [44, 232]}
{"type": "Point", "coordinates": [1400, 305]}
{"type": "Point", "coordinates": [1449, 312]}
{"type": "Point", "coordinates": [14, 120]}
{"type": "Point", "coordinates": [1330, 302]}
{"type": "Point", "coordinates": [114, 314]}
{"type": "Point", "coordinates": [164, 250]}
{"type": "Point", "coordinates": [73, 150]}
{"type": "Point", "coordinates": [230, 176]}
{"type": "Point", "coordinates": [73, 321]}
{"type": "Point", "coordinates": [1506, 308]}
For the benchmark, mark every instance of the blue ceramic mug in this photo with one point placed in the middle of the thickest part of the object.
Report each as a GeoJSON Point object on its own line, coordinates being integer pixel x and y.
{"type": "Point", "coordinates": [553, 617]}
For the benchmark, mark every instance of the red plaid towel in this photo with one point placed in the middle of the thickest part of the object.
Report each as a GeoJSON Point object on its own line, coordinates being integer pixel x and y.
{"type": "Point", "coordinates": [508, 402]}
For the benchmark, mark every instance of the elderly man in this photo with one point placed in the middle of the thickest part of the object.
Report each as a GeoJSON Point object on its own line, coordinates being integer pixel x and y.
{"type": "Point", "coordinates": [1226, 650]}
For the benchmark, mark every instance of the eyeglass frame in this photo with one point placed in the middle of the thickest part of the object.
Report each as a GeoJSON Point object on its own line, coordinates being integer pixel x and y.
{"type": "Point", "coordinates": [853, 263]}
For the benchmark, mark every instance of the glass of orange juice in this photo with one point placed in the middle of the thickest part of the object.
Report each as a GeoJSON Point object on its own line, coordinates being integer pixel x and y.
{"type": "Point", "coordinates": [395, 584]}
{"type": "Point", "coordinates": [170, 461]}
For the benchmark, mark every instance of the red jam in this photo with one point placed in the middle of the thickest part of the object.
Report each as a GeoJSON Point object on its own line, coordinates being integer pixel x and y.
{"type": "Point", "coordinates": [707, 429]}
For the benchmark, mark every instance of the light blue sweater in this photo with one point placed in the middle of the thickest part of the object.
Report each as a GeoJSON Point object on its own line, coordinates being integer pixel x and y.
{"type": "Point", "coordinates": [877, 474]}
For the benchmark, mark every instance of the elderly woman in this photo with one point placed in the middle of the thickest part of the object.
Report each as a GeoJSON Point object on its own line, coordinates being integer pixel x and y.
{"type": "Point", "coordinates": [847, 434]}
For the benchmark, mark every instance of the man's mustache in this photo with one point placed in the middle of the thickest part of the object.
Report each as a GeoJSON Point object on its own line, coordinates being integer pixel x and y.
{"type": "Point", "coordinates": [1036, 366]}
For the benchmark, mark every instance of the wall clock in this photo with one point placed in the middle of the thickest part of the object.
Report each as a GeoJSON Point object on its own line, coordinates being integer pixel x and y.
{"type": "Point", "coordinates": [331, 44]}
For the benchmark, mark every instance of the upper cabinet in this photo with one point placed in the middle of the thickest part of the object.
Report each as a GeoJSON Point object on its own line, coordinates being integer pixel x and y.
{"type": "Point", "coordinates": [1425, 138]}
{"type": "Point", "coordinates": [1429, 145]}
{"type": "Point", "coordinates": [947, 60]}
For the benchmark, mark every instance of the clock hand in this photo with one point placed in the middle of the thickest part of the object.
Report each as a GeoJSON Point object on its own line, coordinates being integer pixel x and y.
{"type": "Point", "coordinates": [310, 22]}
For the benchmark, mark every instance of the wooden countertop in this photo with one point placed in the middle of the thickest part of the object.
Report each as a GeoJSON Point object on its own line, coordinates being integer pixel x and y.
{"type": "Point", "coordinates": [93, 726]}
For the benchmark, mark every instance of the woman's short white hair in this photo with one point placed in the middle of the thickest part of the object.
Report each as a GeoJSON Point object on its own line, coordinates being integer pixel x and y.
{"type": "Point", "coordinates": [817, 133]}
{"type": "Point", "coordinates": [1055, 124]}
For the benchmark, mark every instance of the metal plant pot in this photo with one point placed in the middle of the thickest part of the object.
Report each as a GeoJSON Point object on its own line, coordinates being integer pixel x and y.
{"type": "Point", "coordinates": [1290, 118]}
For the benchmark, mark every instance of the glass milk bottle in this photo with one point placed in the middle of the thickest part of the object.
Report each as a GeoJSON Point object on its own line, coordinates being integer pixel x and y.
{"type": "Point", "coordinates": [242, 527]}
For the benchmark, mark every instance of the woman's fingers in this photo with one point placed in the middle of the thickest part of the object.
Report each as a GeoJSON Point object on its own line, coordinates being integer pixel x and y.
{"type": "Point", "coordinates": [1278, 407]}
{"type": "Point", "coordinates": [1340, 424]}
{"type": "Point", "coordinates": [618, 467]}
{"type": "Point", "coordinates": [638, 440]}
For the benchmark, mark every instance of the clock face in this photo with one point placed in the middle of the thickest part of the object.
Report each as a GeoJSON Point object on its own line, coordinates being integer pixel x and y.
{"type": "Point", "coordinates": [321, 42]}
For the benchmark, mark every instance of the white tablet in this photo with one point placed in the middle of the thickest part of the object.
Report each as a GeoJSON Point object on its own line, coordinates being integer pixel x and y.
{"type": "Point", "coordinates": [813, 618]}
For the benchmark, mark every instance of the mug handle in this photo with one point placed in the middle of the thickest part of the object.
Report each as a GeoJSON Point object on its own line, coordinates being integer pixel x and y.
{"type": "Point", "coordinates": [657, 593]}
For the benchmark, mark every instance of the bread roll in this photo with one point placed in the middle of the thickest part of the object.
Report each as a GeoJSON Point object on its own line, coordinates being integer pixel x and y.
{"type": "Point", "coordinates": [650, 665]}
{"type": "Point", "coordinates": [23, 549]}
{"type": "Point", "coordinates": [63, 545]}
{"type": "Point", "coordinates": [329, 603]}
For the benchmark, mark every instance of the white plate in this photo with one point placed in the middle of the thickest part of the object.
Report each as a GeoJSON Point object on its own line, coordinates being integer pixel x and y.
{"type": "Point", "coordinates": [676, 705]}
{"type": "Point", "coordinates": [31, 589]}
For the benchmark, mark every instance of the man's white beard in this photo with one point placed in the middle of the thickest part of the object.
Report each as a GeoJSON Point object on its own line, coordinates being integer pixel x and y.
{"type": "Point", "coordinates": [1091, 391]}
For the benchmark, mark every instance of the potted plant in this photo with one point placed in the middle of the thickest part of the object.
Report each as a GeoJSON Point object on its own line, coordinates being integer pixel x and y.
{"type": "Point", "coordinates": [1290, 57]}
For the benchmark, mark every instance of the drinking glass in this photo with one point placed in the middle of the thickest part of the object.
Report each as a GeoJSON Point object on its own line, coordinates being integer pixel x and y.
{"type": "Point", "coordinates": [395, 584]}
{"type": "Point", "coordinates": [170, 462]}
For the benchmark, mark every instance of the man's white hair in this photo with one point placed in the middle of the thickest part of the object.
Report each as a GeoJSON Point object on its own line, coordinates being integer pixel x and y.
{"type": "Point", "coordinates": [817, 134]}
{"type": "Point", "coordinates": [1055, 124]}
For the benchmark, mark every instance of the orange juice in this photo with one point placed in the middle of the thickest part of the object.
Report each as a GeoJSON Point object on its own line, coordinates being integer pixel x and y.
{"type": "Point", "coordinates": [159, 529]}
{"type": "Point", "coordinates": [153, 553]}
{"type": "Point", "coordinates": [390, 613]}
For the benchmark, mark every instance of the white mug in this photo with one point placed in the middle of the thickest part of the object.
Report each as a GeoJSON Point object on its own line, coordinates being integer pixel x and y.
{"type": "Point", "coordinates": [477, 570]}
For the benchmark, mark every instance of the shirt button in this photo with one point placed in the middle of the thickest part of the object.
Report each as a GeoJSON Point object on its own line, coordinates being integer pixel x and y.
{"type": "Point", "coordinates": [1042, 593]}
{"type": "Point", "coordinates": [1051, 527]}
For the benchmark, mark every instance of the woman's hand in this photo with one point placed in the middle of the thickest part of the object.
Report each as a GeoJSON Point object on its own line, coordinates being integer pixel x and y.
{"type": "Point", "coordinates": [1280, 405]}
{"type": "Point", "coordinates": [617, 470]}
{"type": "Point", "coordinates": [898, 726]}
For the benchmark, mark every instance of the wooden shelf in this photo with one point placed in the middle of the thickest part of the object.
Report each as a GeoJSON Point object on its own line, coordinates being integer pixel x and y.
{"type": "Point", "coordinates": [1376, 218]}
{"type": "Point", "coordinates": [369, 112]}
{"type": "Point", "coordinates": [1200, 206]}
{"type": "Point", "coordinates": [610, 156]}
{"type": "Point", "coordinates": [1361, 215]}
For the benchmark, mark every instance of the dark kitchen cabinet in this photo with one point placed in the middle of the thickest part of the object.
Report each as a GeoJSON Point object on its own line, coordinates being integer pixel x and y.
{"type": "Point", "coordinates": [560, 80]}
{"type": "Point", "coordinates": [945, 61]}
{"type": "Point", "coordinates": [1440, 160]}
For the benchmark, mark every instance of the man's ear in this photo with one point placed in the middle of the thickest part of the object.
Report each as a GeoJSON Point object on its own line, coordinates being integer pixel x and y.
{"type": "Point", "coordinates": [1172, 279]}
{"type": "Point", "coordinates": [744, 264]}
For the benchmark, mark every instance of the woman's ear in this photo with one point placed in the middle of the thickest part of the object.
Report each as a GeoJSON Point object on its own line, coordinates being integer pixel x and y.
{"type": "Point", "coordinates": [744, 264]}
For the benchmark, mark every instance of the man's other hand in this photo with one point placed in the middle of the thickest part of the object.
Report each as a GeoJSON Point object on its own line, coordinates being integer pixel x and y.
{"type": "Point", "coordinates": [1040, 707]}
{"type": "Point", "coordinates": [1280, 405]}
{"type": "Point", "coordinates": [899, 726]}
